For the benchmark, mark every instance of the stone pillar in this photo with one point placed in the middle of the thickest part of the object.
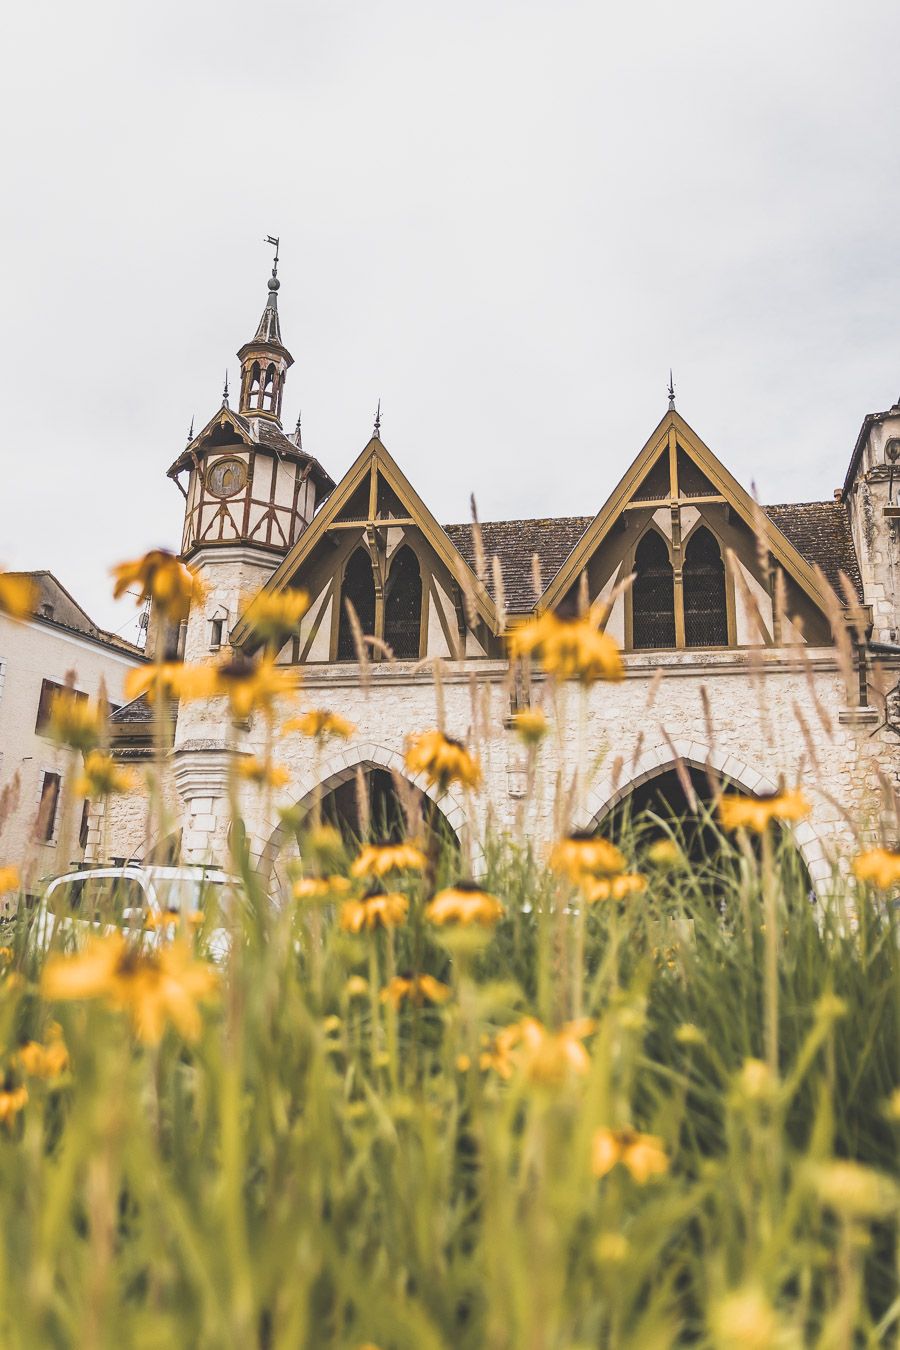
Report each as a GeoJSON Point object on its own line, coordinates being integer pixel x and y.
{"type": "Point", "coordinates": [201, 777]}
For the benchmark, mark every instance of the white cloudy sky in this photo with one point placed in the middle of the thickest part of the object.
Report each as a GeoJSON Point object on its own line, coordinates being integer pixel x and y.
{"type": "Point", "coordinates": [505, 218]}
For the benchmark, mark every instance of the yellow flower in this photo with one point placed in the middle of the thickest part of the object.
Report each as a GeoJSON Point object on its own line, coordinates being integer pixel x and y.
{"type": "Point", "coordinates": [323, 889]}
{"type": "Point", "coordinates": [583, 854]}
{"type": "Point", "coordinates": [879, 866]}
{"type": "Point", "coordinates": [275, 616]}
{"type": "Point", "coordinates": [442, 760]}
{"type": "Point", "coordinates": [544, 1056]}
{"type": "Point", "coordinates": [43, 1061]}
{"type": "Point", "coordinates": [251, 684]}
{"type": "Point", "coordinates": [855, 1191]}
{"type": "Point", "coordinates": [18, 595]}
{"type": "Point", "coordinates": [374, 911]}
{"type": "Point", "coordinates": [419, 989]}
{"type": "Point", "coordinates": [6, 955]}
{"type": "Point", "coordinates": [154, 988]}
{"type": "Point", "coordinates": [9, 879]}
{"type": "Point", "coordinates": [74, 720]}
{"type": "Point", "coordinates": [171, 680]}
{"type": "Point", "coordinates": [261, 774]}
{"type": "Point", "coordinates": [745, 1320]}
{"type": "Point", "coordinates": [319, 724]}
{"type": "Point", "coordinates": [102, 777]}
{"type": "Point", "coordinates": [612, 888]}
{"type": "Point", "coordinates": [665, 853]}
{"type": "Point", "coordinates": [530, 725]}
{"type": "Point", "coordinates": [377, 860]}
{"type": "Point", "coordinates": [642, 1155]}
{"type": "Point", "coordinates": [356, 987]}
{"type": "Point", "coordinates": [162, 578]}
{"type": "Point", "coordinates": [569, 648]}
{"type": "Point", "coordinates": [158, 919]}
{"type": "Point", "coordinates": [12, 1101]}
{"type": "Point", "coordinates": [464, 903]}
{"type": "Point", "coordinates": [755, 813]}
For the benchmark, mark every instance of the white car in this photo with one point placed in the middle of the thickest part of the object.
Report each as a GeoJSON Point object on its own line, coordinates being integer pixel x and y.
{"type": "Point", "coordinates": [100, 899]}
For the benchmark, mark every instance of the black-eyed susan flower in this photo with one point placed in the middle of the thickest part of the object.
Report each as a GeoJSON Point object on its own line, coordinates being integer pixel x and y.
{"type": "Point", "coordinates": [103, 777]}
{"type": "Point", "coordinates": [18, 595]}
{"type": "Point", "coordinates": [643, 1155]}
{"type": "Point", "coordinates": [879, 866]}
{"type": "Point", "coordinates": [442, 760]}
{"type": "Point", "coordinates": [262, 774]}
{"type": "Point", "coordinates": [465, 903]}
{"type": "Point", "coordinates": [544, 1056]}
{"type": "Point", "coordinates": [321, 890]}
{"type": "Point", "coordinates": [530, 725]}
{"type": "Point", "coordinates": [276, 615]}
{"type": "Point", "coordinates": [154, 988]}
{"type": "Point", "coordinates": [596, 889]}
{"type": "Point", "coordinates": [577, 649]}
{"type": "Point", "coordinates": [44, 1061]}
{"type": "Point", "coordinates": [9, 879]}
{"type": "Point", "coordinates": [161, 577]}
{"type": "Point", "coordinates": [737, 812]}
{"type": "Point", "coordinates": [74, 720]}
{"type": "Point", "coordinates": [172, 680]}
{"type": "Point", "coordinates": [251, 685]}
{"type": "Point", "coordinates": [320, 724]}
{"type": "Point", "coordinates": [416, 989]}
{"type": "Point", "coordinates": [379, 910]}
{"type": "Point", "coordinates": [377, 860]}
{"type": "Point", "coordinates": [530, 636]}
{"type": "Point", "coordinates": [583, 854]}
{"type": "Point", "coordinates": [13, 1099]}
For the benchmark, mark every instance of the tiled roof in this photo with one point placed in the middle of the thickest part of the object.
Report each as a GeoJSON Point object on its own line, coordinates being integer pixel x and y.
{"type": "Point", "coordinates": [820, 531]}
{"type": "Point", "coordinates": [138, 710]}
{"type": "Point", "coordinates": [515, 542]}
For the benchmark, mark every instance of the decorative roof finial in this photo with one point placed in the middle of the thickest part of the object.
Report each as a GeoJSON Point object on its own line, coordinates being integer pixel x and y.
{"type": "Point", "coordinates": [225, 392]}
{"type": "Point", "coordinates": [273, 239]}
{"type": "Point", "coordinates": [378, 421]}
{"type": "Point", "coordinates": [191, 432]}
{"type": "Point", "coordinates": [671, 393]}
{"type": "Point", "coordinates": [298, 439]}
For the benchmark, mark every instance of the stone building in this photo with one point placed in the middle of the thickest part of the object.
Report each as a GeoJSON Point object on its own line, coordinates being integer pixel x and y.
{"type": "Point", "coordinates": [759, 642]}
{"type": "Point", "coordinates": [43, 822]}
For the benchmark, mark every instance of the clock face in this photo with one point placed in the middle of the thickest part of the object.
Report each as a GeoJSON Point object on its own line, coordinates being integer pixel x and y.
{"type": "Point", "coordinates": [226, 477]}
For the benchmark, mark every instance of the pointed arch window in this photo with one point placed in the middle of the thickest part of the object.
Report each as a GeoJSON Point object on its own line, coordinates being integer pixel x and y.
{"type": "Point", "coordinates": [358, 586]}
{"type": "Point", "coordinates": [254, 384]}
{"type": "Point", "coordinates": [403, 605]}
{"type": "Point", "coordinates": [705, 607]}
{"type": "Point", "coordinates": [268, 395]}
{"type": "Point", "coordinates": [653, 594]}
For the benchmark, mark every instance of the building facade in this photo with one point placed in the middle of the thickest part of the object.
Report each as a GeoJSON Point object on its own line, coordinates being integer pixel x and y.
{"type": "Point", "coordinates": [760, 643]}
{"type": "Point", "coordinates": [43, 822]}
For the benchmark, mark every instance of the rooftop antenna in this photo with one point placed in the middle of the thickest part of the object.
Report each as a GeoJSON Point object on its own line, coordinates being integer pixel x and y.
{"type": "Point", "coordinates": [274, 240]}
{"type": "Point", "coordinates": [671, 393]}
{"type": "Point", "coordinates": [378, 420]}
{"type": "Point", "coordinates": [225, 392]}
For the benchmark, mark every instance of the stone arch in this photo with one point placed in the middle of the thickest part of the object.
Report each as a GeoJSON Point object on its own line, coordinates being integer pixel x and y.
{"type": "Point", "coordinates": [606, 794]}
{"type": "Point", "coordinates": [341, 766]}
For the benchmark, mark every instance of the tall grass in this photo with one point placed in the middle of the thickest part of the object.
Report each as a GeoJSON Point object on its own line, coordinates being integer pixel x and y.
{"type": "Point", "coordinates": [321, 1169]}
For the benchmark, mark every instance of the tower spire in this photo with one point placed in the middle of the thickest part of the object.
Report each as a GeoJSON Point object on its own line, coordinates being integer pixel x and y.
{"type": "Point", "coordinates": [265, 359]}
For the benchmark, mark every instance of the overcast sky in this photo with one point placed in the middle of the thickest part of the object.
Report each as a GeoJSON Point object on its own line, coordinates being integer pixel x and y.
{"type": "Point", "coordinates": [505, 219]}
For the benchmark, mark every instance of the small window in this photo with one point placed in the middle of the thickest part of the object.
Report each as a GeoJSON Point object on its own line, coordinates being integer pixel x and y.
{"type": "Point", "coordinates": [85, 822]}
{"type": "Point", "coordinates": [48, 807]}
{"type": "Point", "coordinates": [653, 595]}
{"type": "Point", "coordinates": [215, 639]}
{"type": "Point", "coordinates": [49, 689]}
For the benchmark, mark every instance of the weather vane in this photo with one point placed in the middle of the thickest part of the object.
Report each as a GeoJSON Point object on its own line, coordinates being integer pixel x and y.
{"type": "Point", "coordinates": [671, 393]}
{"type": "Point", "coordinates": [225, 391]}
{"type": "Point", "coordinates": [274, 241]}
{"type": "Point", "coordinates": [378, 420]}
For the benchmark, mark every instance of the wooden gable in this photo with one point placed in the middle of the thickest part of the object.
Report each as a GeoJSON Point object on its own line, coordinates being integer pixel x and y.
{"type": "Point", "coordinates": [676, 484]}
{"type": "Point", "coordinates": [375, 508]}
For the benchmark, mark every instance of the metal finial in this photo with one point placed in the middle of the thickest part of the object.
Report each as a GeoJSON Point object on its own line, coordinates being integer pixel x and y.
{"type": "Point", "coordinates": [671, 394]}
{"type": "Point", "coordinates": [274, 240]}
{"type": "Point", "coordinates": [225, 392]}
{"type": "Point", "coordinates": [378, 420]}
{"type": "Point", "coordinates": [298, 439]}
{"type": "Point", "coordinates": [191, 432]}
